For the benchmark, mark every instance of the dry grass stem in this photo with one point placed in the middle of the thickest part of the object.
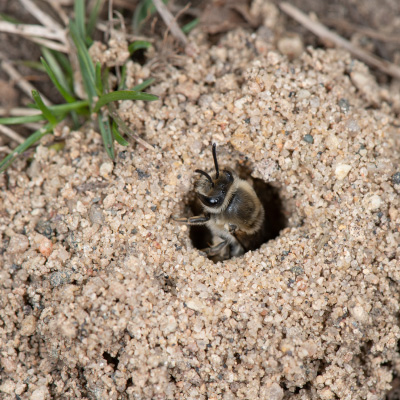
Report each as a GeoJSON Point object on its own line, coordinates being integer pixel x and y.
{"type": "Point", "coordinates": [22, 83]}
{"type": "Point", "coordinates": [50, 44]}
{"type": "Point", "coordinates": [5, 149]}
{"type": "Point", "coordinates": [55, 4]}
{"type": "Point", "coordinates": [18, 112]}
{"type": "Point", "coordinates": [170, 21]}
{"type": "Point", "coordinates": [32, 30]}
{"type": "Point", "coordinates": [11, 134]}
{"type": "Point", "coordinates": [41, 16]}
{"type": "Point", "coordinates": [347, 26]}
{"type": "Point", "coordinates": [324, 33]}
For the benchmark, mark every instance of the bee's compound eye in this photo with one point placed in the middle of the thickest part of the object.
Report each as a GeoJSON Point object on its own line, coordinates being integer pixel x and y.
{"type": "Point", "coordinates": [211, 201]}
{"type": "Point", "coordinates": [229, 175]}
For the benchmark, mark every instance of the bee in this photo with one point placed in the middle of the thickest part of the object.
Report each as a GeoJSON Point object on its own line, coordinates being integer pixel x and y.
{"type": "Point", "coordinates": [232, 212]}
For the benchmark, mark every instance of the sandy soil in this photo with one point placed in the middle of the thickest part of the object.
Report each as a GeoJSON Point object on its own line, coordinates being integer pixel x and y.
{"type": "Point", "coordinates": [105, 297]}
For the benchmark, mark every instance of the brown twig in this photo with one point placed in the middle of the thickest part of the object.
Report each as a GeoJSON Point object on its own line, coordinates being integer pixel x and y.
{"type": "Point", "coordinates": [170, 21]}
{"type": "Point", "coordinates": [122, 125]}
{"type": "Point", "coordinates": [59, 10]}
{"type": "Point", "coordinates": [40, 15]}
{"type": "Point", "coordinates": [18, 112]}
{"type": "Point", "coordinates": [11, 134]}
{"type": "Point", "coordinates": [5, 149]}
{"type": "Point", "coordinates": [23, 84]}
{"type": "Point", "coordinates": [324, 33]}
{"type": "Point", "coordinates": [347, 26]}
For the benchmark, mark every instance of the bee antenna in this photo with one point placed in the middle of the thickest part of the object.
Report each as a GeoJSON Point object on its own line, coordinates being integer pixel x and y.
{"type": "Point", "coordinates": [199, 171]}
{"type": "Point", "coordinates": [214, 151]}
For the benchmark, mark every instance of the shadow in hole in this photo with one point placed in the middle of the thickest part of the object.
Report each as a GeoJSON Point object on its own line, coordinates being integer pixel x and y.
{"type": "Point", "coordinates": [275, 220]}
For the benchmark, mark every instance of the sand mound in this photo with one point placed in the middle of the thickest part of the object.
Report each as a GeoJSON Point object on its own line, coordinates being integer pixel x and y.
{"type": "Point", "coordinates": [105, 297]}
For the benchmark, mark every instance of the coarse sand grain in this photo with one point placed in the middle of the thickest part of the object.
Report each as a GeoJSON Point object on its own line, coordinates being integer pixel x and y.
{"type": "Point", "coordinates": [103, 296]}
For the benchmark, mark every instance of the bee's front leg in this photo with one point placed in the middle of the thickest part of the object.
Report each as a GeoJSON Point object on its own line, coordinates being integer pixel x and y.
{"type": "Point", "coordinates": [197, 220]}
{"type": "Point", "coordinates": [232, 228]}
{"type": "Point", "coordinates": [215, 250]}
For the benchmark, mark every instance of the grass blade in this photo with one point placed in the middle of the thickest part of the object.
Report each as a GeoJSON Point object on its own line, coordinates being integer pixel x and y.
{"type": "Point", "coordinates": [123, 95]}
{"type": "Point", "coordinates": [43, 108]}
{"type": "Point", "coordinates": [93, 17]}
{"type": "Point", "coordinates": [142, 11]}
{"type": "Point", "coordinates": [85, 62]}
{"type": "Point", "coordinates": [191, 25]}
{"type": "Point", "coordinates": [30, 141]}
{"type": "Point", "coordinates": [99, 82]}
{"type": "Point", "coordinates": [143, 85]}
{"type": "Point", "coordinates": [64, 63]}
{"type": "Point", "coordinates": [79, 8]}
{"type": "Point", "coordinates": [122, 82]}
{"type": "Point", "coordinates": [105, 130]}
{"type": "Point", "coordinates": [117, 136]}
{"type": "Point", "coordinates": [36, 65]}
{"type": "Point", "coordinates": [137, 45]}
{"type": "Point", "coordinates": [60, 87]}
{"type": "Point", "coordinates": [21, 120]}
{"type": "Point", "coordinates": [61, 67]}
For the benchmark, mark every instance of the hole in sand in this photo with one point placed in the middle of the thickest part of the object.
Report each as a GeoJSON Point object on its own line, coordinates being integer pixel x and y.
{"type": "Point", "coordinates": [275, 219]}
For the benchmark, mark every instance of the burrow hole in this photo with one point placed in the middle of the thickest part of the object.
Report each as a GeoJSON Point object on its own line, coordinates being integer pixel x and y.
{"type": "Point", "coordinates": [275, 219]}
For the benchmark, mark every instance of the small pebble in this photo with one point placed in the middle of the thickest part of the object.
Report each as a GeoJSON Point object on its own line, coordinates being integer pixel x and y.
{"type": "Point", "coordinates": [18, 244]}
{"type": "Point", "coordinates": [28, 326]}
{"type": "Point", "coordinates": [60, 278]}
{"type": "Point", "coordinates": [46, 247]}
{"type": "Point", "coordinates": [41, 393]}
{"type": "Point", "coordinates": [344, 105]}
{"type": "Point", "coordinates": [96, 215]}
{"type": "Point", "coordinates": [342, 170]}
{"type": "Point", "coordinates": [308, 138]}
{"type": "Point", "coordinates": [291, 46]}
{"type": "Point", "coordinates": [106, 169]}
{"type": "Point", "coordinates": [396, 178]}
{"type": "Point", "coordinates": [272, 392]}
{"type": "Point", "coordinates": [373, 202]}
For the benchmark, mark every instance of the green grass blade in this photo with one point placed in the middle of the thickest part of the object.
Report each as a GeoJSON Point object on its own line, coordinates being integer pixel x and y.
{"type": "Point", "coordinates": [117, 136]}
{"type": "Point", "coordinates": [36, 65]}
{"type": "Point", "coordinates": [64, 63]}
{"type": "Point", "coordinates": [137, 45]}
{"type": "Point", "coordinates": [79, 8]}
{"type": "Point", "coordinates": [123, 95]}
{"type": "Point", "coordinates": [85, 62]}
{"type": "Point", "coordinates": [57, 83]}
{"type": "Point", "coordinates": [79, 105]}
{"type": "Point", "coordinates": [105, 130]}
{"type": "Point", "coordinates": [93, 17]}
{"type": "Point", "coordinates": [61, 67]}
{"type": "Point", "coordinates": [43, 108]}
{"type": "Point", "coordinates": [122, 82]}
{"type": "Point", "coordinates": [99, 82]}
{"type": "Point", "coordinates": [191, 25]}
{"type": "Point", "coordinates": [142, 11]}
{"type": "Point", "coordinates": [143, 85]}
{"type": "Point", "coordinates": [60, 111]}
{"type": "Point", "coordinates": [8, 18]}
{"type": "Point", "coordinates": [30, 141]}
{"type": "Point", "coordinates": [21, 120]}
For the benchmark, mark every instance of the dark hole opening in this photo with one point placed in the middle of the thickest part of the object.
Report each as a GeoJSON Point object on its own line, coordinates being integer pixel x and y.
{"type": "Point", "coordinates": [111, 360]}
{"type": "Point", "coordinates": [275, 219]}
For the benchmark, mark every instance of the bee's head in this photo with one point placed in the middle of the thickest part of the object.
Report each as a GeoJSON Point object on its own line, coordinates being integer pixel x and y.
{"type": "Point", "coordinates": [212, 190]}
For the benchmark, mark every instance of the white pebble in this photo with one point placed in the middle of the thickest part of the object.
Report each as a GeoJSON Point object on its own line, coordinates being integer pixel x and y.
{"type": "Point", "coordinates": [106, 169]}
{"type": "Point", "coordinates": [373, 202]}
{"type": "Point", "coordinates": [342, 170]}
{"type": "Point", "coordinates": [195, 304]}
